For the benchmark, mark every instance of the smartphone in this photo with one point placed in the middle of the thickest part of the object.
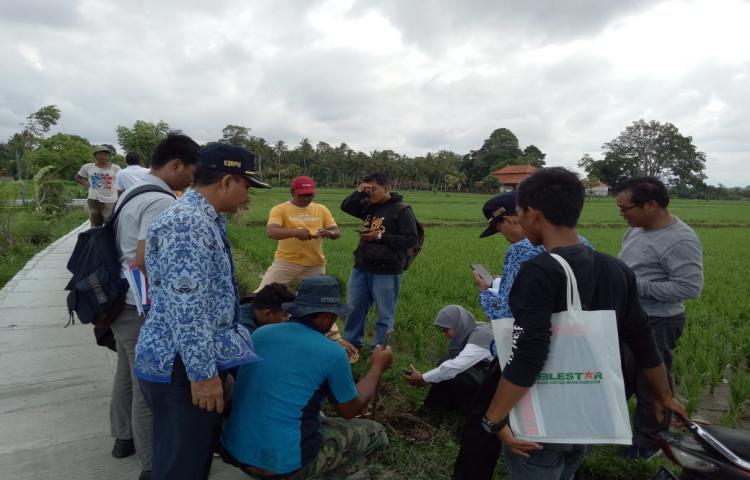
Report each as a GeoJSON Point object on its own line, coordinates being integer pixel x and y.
{"type": "Point", "coordinates": [406, 371]}
{"type": "Point", "coordinates": [479, 268]}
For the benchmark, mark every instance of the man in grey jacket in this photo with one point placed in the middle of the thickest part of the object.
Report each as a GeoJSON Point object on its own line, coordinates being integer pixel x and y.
{"type": "Point", "coordinates": [667, 258]}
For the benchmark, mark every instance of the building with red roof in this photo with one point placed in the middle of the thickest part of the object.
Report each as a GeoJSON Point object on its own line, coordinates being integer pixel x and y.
{"type": "Point", "coordinates": [511, 175]}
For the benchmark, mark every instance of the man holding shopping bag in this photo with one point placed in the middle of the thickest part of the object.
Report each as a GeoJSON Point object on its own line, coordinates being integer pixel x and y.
{"type": "Point", "coordinates": [548, 205]}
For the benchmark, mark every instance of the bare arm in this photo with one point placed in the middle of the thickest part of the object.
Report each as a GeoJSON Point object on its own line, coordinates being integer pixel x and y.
{"type": "Point", "coordinates": [140, 255]}
{"type": "Point", "coordinates": [82, 180]}
{"type": "Point", "coordinates": [661, 391]}
{"type": "Point", "coordinates": [506, 396]}
{"type": "Point", "coordinates": [277, 232]}
{"type": "Point", "coordinates": [331, 232]}
{"type": "Point", "coordinates": [381, 360]}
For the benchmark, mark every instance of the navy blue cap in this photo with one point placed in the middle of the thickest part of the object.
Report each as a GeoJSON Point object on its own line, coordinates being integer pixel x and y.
{"type": "Point", "coordinates": [230, 159]}
{"type": "Point", "coordinates": [320, 293]}
{"type": "Point", "coordinates": [495, 209]}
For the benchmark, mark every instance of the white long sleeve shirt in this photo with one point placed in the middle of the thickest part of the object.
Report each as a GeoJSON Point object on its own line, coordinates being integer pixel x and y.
{"type": "Point", "coordinates": [469, 356]}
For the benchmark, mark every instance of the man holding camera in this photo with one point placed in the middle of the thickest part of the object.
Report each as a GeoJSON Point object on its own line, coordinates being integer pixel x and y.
{"type": "Point", "coordinates": [389, 228]}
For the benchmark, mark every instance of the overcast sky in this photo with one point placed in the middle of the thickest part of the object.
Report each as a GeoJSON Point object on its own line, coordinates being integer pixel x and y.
{"type": "Point", "coordinates": [412, 76]}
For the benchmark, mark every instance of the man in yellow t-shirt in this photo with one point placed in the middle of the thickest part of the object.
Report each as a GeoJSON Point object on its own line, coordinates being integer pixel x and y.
{"type": "Point", "coordinates": [300, 225]}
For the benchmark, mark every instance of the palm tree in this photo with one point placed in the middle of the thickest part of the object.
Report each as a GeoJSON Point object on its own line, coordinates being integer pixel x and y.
{"type": "Point", "coordinates": [280, 148]}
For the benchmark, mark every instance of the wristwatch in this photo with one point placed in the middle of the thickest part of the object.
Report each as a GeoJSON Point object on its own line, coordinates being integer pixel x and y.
{"type": "Point", "coordinates": [380, 235]}
{"type": "Point", "coordinates": [493, 428]}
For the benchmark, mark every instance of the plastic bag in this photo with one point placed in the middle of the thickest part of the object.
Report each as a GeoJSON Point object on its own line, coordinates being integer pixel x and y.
{"type": "Point", "coordinates": [579, 396]}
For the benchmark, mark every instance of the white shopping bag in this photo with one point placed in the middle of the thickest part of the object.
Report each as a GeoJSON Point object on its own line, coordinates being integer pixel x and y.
{"type": "Point", "coordinates": [579, 397]}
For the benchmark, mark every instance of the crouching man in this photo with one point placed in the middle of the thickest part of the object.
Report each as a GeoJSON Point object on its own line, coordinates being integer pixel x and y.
{"type": "Point", "coordinates": [276, 428]}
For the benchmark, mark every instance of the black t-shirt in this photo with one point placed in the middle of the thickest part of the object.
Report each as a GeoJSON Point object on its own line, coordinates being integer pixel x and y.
{"type": "Point", "coordinates": [604, 283]}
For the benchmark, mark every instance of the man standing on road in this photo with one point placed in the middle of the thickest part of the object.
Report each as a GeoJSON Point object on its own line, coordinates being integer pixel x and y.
{"type": "Point", "coordinates": [276, 427]}
{"type": "Point", "coordinates": [99, 178]}
{"type": "Point", "coordinates": [192, 335]}
{"type": "Point", "coordinates": [389, 228]}
{"type": "Point", "coordinates": [667, 258]}
{"type": "Point", "coordinates": [549, 203]}
{"type": "Point", "coordinates": [172, 168]}
{"type": "Point", "coordinates": [300, 225]}
{"type": "Point", "coordinates": [132, 174]}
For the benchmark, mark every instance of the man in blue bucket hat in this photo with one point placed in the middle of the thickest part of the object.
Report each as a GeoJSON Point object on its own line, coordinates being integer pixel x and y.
{"type": "Point", "coordinates": [276, 427]}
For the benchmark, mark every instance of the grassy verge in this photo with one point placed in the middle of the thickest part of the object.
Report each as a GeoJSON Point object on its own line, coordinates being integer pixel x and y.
{"type": "Point", "coordinates": [24, 232]}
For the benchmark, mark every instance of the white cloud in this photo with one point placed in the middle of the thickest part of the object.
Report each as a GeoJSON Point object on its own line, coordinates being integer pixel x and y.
{"type": "Point", "coordinates": [410, 76]}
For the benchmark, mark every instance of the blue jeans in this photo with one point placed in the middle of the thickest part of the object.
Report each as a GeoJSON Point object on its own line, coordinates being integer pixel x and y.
{"type": "Point", "coordinates": [553, 462]}
{"type": "Point", "coordinates": [364, 289]}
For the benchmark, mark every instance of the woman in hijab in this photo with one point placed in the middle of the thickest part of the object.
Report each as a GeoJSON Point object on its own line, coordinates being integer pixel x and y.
{"type": "Point", "coordinates": [455, 380]}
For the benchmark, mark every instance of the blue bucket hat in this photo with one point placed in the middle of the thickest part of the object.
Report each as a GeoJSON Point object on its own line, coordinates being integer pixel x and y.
{"type": "Point", "coordinates": [321, 293]}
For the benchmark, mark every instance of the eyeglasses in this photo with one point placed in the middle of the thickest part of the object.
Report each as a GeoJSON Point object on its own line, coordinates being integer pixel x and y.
{"type": "Point", "coordinates": [625, 209]}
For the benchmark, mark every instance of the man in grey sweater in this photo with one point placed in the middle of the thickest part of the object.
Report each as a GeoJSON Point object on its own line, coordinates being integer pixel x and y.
{"type": "Point", "coordinates": [667, 258]}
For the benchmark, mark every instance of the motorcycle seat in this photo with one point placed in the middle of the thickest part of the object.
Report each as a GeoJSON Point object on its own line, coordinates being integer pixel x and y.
{"type": "Point", "coordinates": [738, 441]}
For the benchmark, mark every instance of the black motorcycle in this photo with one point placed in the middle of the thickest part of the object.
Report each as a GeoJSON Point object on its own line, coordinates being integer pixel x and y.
{"type": "Point", "coordinates": [707, 452]}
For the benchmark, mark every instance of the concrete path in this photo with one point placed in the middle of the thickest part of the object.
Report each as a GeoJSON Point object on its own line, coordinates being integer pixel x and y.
{"type": "Point", "coordinates": [55, 383]}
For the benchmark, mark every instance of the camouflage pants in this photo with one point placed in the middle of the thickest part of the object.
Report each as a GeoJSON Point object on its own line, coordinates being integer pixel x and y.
{"type": "Point", "coordinates": [346, 445]}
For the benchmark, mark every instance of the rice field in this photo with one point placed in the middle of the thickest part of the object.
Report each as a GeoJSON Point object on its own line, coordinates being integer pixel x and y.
{"type": "Point", "coordinates": [711, 363]}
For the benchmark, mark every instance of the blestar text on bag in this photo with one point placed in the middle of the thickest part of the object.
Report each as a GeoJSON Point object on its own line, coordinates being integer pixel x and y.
{"type": "Point", "coordinates": [579, 396]}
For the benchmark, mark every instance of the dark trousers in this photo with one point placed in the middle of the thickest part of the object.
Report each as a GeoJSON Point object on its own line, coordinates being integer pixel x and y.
{"type": "Point", "coordinates": [459, 392]}
{"type": "Point", "coordinates": [184, 435]}
{"type": "Point", "coordinates": [667, 330]}
{"type": "Point", "coordinates": [479, 450]}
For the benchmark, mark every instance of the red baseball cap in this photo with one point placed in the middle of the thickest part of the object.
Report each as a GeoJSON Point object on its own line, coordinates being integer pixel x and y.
{"type": "Point", "coordinates": [303, 185]}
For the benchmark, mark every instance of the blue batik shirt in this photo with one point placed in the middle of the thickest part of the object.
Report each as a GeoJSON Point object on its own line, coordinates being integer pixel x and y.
{"type": "Point", "coordinates": [194, 300]}
{"type": "Point", "coordinates": [496, 305]}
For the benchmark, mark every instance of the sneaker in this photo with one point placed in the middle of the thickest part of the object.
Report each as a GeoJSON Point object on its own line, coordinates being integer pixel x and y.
{"type": "Point", "coordinates": [145, 475]}
{"type": "Point", "coordinates": [123, 448]}
{"type": "Point", "coordinates": [636, 452]}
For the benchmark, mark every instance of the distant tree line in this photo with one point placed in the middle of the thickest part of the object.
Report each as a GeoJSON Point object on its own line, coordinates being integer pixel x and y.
{"type": "Point", "coordinates": [643, 148]}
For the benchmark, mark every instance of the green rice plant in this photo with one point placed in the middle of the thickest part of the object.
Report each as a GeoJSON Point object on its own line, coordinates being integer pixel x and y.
{"type": "Point", "coordinates": [739, 394]}
{"type": "Point", "coordinates": [694, 386]}
{"type": "Point", "coordinates": [717, 332]}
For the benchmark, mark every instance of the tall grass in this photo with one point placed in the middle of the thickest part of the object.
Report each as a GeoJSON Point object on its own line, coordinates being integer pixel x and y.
{"type": "Point", "coordinates": [28, 233]}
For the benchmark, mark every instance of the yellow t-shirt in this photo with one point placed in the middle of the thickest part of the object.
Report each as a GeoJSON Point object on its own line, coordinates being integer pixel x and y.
{"type": "Point", "coordinates": [313, 217]}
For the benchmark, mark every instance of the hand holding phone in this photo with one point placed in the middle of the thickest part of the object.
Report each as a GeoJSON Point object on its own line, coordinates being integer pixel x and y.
{"type": "Point", "coordinates": [486, 276]}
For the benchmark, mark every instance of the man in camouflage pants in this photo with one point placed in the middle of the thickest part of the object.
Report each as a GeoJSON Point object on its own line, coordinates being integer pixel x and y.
{"type": "Point", "coordinates": [276, 428]}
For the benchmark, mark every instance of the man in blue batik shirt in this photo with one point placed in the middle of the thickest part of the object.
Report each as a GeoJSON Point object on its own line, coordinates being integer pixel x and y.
{"type": "Point", "coordinates": [192, 335]}
{"type": "Point", "coordinates": [500, 212]}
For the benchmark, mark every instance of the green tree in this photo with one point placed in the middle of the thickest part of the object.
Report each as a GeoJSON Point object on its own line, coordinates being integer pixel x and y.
{"type": "Point", "coordinates": [280, 148]}
{"type": "Point", "coordinates": [142, 137]}
{"type": "Point", "coordinates": [306, 152]}
{"type": "Point", "coordinates": [649, 148]}
{"type": "Point", "coordinates": [64, 152]}
{"type": "Point", "coordinates": [39, 122]}
{"type": "Point", "coordinates": [235, 135]}
{"type": "Point", "coordinates": [531, 156]}
{"type": "Point", "coordinates": [499, 150]}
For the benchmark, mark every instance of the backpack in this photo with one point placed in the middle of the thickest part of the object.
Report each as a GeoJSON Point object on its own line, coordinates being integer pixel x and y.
{"type": "Point", "coordinates": [413, 251]}
{"type": "Point", "coordinates": [97, 290]}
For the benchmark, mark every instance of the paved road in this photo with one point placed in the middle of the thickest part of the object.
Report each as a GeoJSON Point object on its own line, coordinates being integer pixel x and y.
{"type": "Point", "coordinates": [55, 383]}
